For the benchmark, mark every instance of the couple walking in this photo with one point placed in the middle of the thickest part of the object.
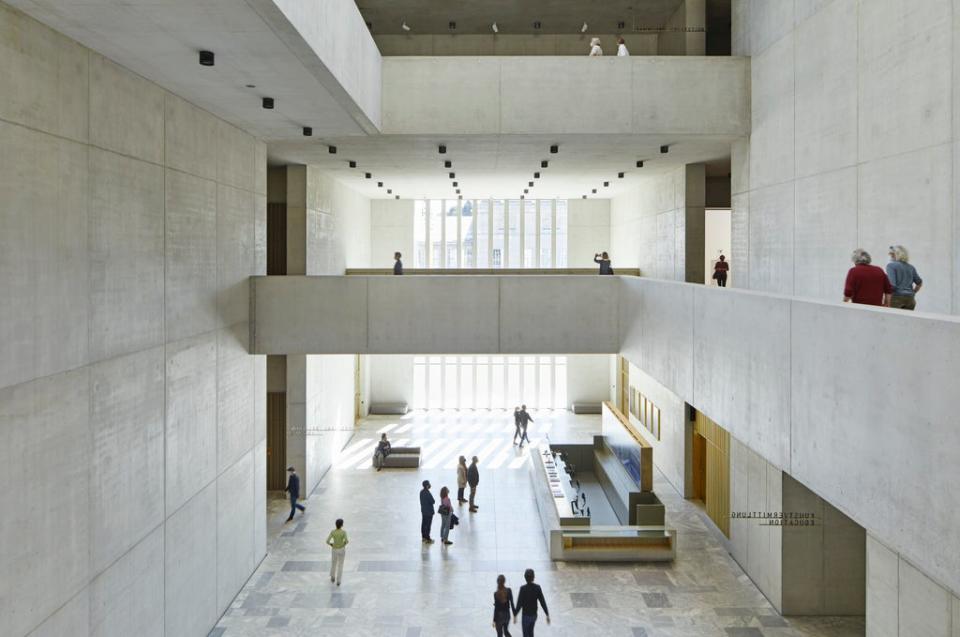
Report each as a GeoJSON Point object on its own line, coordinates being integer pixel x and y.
{"type": "Point", "coordinates": [530, 595]}
{"type": "Point", "coordinates": [521, 419]}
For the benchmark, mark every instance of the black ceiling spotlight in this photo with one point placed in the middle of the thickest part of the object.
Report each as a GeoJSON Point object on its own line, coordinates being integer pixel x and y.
{"type": "Point", "coordinates": [397, 197]}
{"type": "Point", "coordinates": [331, 149]}
{"type": "Point", "coordinates": [352, 164]}
{"type": "Point", "coordinates": [442, 149]}
{"type": "Point", "coordinates": [458, 191]}
{"type": "Point", "coordinates": [379, 184]}
{"type": "Point", "coordinates": [368, 175]}
{"type": "Point", "coordinates": [536, 175]}
{"type": "Point", "coordinates": [448, 164]}
{"type": "Point", "coordinates": [454, 184]}
{"type": "Point", "coordinates": [460, 196]}
{"type": "Point", "coordinates": [307, 131]}
{"type": "Point", "coordinates": [389, 192]}
{"type": "Point", "coordinates": [544, 163]}
{"type": "Point", "coordinates": [452, 25]}
{"type": "Point", "coordinates": [267, 103]}
{"type": "Point", "coordinates": [530, 183]}
{"type": "Point", "coordinates": [554, 149]}
{"type": "Point", "coordinates": [206, 58]}
{"type": "Point", "coordinates": [639, 163]}
{"type": "Point", "coordinates": [521, 196]}
{"type": "Point", "coordinates": [664, 149]}
{"type": "Point", "coordinates": [536, 24]}
{"type": "Point", "coordinates": [525, 191]}
{"type": "Point", "coordinates": [620, 25]}
{"type": "Point", "coordinates": [584, 196]}
{"type": "Point", "coordinates": [370, 25]}
{"type": "Point", "coordinates": [453, 175]}
{"type": "Point", "coordinates": [606, 184]}
{"type": "Point", "coordinates": [620, 175]}
{"type": "Point", "coordinates": [594, 191]}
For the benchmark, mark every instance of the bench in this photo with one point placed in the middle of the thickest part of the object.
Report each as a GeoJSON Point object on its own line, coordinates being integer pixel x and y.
{"type": "Point", "coordinates": [586, 408]}
{"type": "Point", "coordinates": [402, 458]}
{"type": "Point", "coordinates": [389, 409]}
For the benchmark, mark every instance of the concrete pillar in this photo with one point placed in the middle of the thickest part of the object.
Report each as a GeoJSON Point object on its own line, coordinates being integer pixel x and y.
{"type": "Point", "coordinates": [694, 225]}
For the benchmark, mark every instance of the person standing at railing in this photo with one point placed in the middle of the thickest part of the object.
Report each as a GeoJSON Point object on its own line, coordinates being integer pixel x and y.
{"type": "Point", "coordinates": [595, 50]}
{"type": "Point", "coordinates": [904, 279]}
{"type": "Point", "coordinates": [720, 269]}
{"type": "Point", "coordinates": [397, 264]}
{"type": "Point", "coordinates": [622, 51]}
{"type": "Point", "coordinates": [604, 260]}
{"type": "Point", "coordinates": [866, 284]}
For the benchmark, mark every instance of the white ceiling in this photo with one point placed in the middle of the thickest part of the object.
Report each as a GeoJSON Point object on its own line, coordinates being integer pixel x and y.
{"type": "Point", "coordinates": [498, 166]}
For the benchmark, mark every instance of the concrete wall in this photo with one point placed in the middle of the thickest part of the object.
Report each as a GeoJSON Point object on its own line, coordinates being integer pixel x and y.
{"type": "Point", "coordinates": [588, 231]}
{"type": "Point", "coordinates": [659, 226]}
{"type": "Point", "coordinates": [133, 461]}
{"type": "Point", "coordinates": [391, 230]}
{"type": "Point", "coordinates": [517, 95]}
{"type": "Point", "coordinates": [853, 144]}
{"type": "Point", "coordinates": [676, 40]}
{"type": "Point", "coordinates": [511, 44]}
{"type": "Point", "coordinates": [785, 375]}
{"type": "Point", "coordinates": [436, 314]}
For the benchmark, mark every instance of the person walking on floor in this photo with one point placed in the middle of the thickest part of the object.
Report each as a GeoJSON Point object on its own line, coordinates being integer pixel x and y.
{"type": "Point", "coordinates": [603, 259]}
{"type": "Point", "coordinates": [720, 269]}
{"type": "Point", "coordinates": [293, 488]}
{"type": "Point", "coordinates": [525, 419]}
{"type": "Point", "coordinates": [904, 279]}
{"type": "Point", "coordinates": [426, 512]}
{"type": "Point", "coordinates": [446, 512]}
{"type": "Point", "coordinates": [503, 607]}
{"type": "Point", "coordinates": [461, 479]}
{"type": "Point", "coordinates": [473, 479]}
{"type": "Point", "coordinates": [866, 284]}
{"type": "Point", "coordinates": [337, 540]}
{"type": "Point", "coordinates": [397, 263]}
{"type": "Point", "coordinates": [530, 595]}
{"type": "Point", "coordinates": [516, 423]}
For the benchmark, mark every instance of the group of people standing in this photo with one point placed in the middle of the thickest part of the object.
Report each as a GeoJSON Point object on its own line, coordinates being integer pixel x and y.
{"type": "Point", "coordinates": [896, 287]}
{"type": "Point", "coordinates": [448, 519]}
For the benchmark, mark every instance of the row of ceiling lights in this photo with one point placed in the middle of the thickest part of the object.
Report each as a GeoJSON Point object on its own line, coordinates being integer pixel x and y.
{"type": "Point", "coordinates": [620, 175]}
{"type": "Point", "coordinates": [537, 24]}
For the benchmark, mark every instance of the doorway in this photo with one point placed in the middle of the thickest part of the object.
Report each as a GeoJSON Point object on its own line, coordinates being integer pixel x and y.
{"type": "Point", "coordinates": [711, 470]}
{"type": "Point", "coordinates": [716, 242]}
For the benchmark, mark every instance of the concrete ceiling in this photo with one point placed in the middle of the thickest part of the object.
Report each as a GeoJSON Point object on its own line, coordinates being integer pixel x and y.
{"type": "Point", "coordinates": [514, 16]}
{"type": "Point", "coordinates": [498, 166]}
{"type": "Point", "coordinates": [159, 39]}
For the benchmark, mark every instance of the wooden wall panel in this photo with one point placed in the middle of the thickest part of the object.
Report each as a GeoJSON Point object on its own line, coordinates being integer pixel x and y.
{"type": "Point", "coordinates": [717, 475]}
{"type": "Point", "coordinates": [276, 441]}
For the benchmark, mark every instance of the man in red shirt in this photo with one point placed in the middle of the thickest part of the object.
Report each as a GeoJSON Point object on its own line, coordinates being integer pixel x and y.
{"type": "Point", "coordinates": [866, 284]}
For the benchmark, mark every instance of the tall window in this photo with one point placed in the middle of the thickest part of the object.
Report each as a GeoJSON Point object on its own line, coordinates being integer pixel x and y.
{"type": "Point", "coordinates": [489, 382]}
{"type": "Point", "coordinates": [490, 233]}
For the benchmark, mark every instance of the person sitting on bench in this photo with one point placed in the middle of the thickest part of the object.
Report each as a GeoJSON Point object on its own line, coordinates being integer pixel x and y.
{"type": "Point", "coordinates": [383, 450]}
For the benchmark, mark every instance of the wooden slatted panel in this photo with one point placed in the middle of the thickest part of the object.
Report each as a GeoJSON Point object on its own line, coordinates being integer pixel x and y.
{"type": "Point", "coordinates": [276, 441]}
{"type": "Point", "coordinates": [276, 238]}
{"type": "Point", "coordinates": [717, 475]}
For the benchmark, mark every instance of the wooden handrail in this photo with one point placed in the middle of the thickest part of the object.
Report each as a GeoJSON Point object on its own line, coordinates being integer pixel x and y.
{"type": "Point", "coordinates": [487, 271]}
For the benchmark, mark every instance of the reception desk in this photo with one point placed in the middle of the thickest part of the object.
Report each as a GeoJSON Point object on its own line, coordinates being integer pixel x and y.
{"type": "Point", "coordinates": [567, 527]}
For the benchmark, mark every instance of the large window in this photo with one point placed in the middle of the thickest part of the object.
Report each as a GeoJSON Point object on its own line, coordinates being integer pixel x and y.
{"type": "Point", "coordinates": [490, 233]}
{"type": "Point", "coordinates": [489, 382]}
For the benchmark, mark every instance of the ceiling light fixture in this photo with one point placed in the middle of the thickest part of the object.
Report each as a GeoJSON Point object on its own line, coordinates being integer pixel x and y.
{"type": "Point", "coordinates": [664, 149]}
{"type": "Point", "coordinates": [453, 175]}
{"type": "Point", "coordinates": [267, 103]}
{"type": "Point", "coordinates": [521, 196]}
{"type": "Point", "coordinates": [620, 175]}
{"type": "Point", "coordinates": [536, 24]}
{"type": "Point", "coordinates": [639, 163]}
{"type": "Point", "coordinates": [536, 175]}
{"type": "Point", "coordinates": [250, 85]}
{"type": "Point", "coordinates": [584, 196]}
{"type": "Point", "coordinates": [454, 184]}
{"type": "Point", "coordinates": [307, 131]}
{"type": "Point", "coordinates": [458, 191]}
{"type": "Point", "coordinates": [352, 164]}
{"type": "Point", "coordinates": [594, 191]}
{"type": "Point", "coordinates": [442, 149]}
{"type": "Point", "coordinates": [583, 29]}
{"type": "Point", "coordinates": [379, 184]}
{"type": "Point", "coordinates": [403, 25]}
{"type": "Point", "coordinates": [544, 163]}
{"type": "Point", "coordinates": [389, 192]}
{"type": "Point", "coordinates": [397, 197]}
{"type": "Point", "coordinates": [452, 25]}
{"type": "Point", "coordinates": [530, 183]}
{"type": "Point", "coordinates": [368, 175]}
{"type": "Point", "coordinates": [206, 58]}
{"type": "Point", "coordinates": [525, 191]}
{"type": "Point", "coordinates": [460, 197]}
{"type": "Point", "coordinates": [606, 184]}
{"type": "Point", "coordinates": [554, 149]}
{"type": "Point", "coordinates": [330, 149]}
{"type": "Point", "coordinates": [448, 164]}
{"type": "Point", "coordinates": [621, 25]}
{"type": "Point", "coordinates": [495, 28]}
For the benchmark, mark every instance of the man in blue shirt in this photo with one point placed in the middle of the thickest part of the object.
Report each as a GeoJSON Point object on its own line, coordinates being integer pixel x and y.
{"type": "Point", "coordinates": [904, 279]}
{"type": "Point", "coordinates": [293, 488]}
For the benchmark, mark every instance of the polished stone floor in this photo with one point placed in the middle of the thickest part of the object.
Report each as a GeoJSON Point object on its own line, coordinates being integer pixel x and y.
{"type": "Point", "coordinates": [394, 586]}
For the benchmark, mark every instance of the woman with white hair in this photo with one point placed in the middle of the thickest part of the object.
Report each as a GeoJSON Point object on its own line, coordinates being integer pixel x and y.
{"type": "Point", "coordinates": [866, 284]}
{"type": "Point", "coordinates": [595, 50]}
{"type": "Point", "coordinates": [904, 279]}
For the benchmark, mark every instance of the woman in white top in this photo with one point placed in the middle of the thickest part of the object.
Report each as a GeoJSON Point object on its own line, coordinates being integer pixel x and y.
{"type": "Point", "coordinates": [622, 48]}
{"type": "Point", "coordinates": [595, 50]}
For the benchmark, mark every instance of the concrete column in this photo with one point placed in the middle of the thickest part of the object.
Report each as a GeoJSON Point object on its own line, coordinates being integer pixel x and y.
{"type": "Point", "coordinates": [694, 227]}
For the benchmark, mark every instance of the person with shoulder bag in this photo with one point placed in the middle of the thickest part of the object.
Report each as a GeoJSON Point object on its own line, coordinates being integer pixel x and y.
{"type": "Point", "coordinates": [445, 511]}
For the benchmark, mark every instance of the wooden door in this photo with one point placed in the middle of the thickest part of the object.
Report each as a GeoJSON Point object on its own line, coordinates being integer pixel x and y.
{"type": "Point", "coordinates": [716, 470]}
{"type": "Point", "coordinates": [276, 441]}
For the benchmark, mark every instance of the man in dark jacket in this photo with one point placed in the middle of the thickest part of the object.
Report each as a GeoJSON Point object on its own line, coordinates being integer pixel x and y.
{"type": "Point", "coordinates": [426, 512]}
{"type": "Point", "coordinates": [473, 479]}
{"type": "Point", "coordinates": [397, 264]}
{"type": "Point", "coordinates": [525, 420]}
{"type": "Point", "coordinates": [516, 423]}
{"type": "Point", "coordinates": [293, 488]}
{"type": "Point", "coordinates": [530, 594]}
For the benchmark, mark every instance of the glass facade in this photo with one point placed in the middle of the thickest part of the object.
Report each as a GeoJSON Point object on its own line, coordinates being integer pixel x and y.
{"type": "Point", "coordinates": [490, 233]}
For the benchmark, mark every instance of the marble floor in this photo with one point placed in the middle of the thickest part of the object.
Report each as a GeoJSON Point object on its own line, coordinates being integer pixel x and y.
{"type": "Point", "coordinates": [394, 586]}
